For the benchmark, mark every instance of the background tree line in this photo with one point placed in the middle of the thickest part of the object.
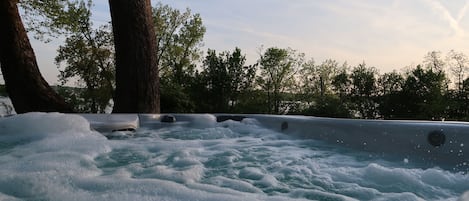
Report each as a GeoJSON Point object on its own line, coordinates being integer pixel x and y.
{"type": "Point", "coordinates": [281, 81]}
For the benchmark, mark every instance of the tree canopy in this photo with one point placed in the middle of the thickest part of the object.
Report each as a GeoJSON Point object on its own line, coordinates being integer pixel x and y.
{"type": "Point", "coordinates": [281, 81]}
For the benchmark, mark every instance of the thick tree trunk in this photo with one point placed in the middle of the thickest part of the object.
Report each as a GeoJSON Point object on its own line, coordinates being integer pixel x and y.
{"type": "Point", "coordinates": [137, 81]}
{"type": "Point", "coordinates": [26, 87]}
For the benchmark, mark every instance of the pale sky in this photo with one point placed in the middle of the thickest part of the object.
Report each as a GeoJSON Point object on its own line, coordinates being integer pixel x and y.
{"type": "Point", "coordinates": [386, 34]}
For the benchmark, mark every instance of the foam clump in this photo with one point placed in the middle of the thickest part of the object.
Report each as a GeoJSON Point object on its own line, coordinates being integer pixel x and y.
{"type": "Point", "coordinates": [49, 134]}
{"type": "Point", "coordinates": [464, 197]}
{"type": "Point", "coordinates": [204, 121]}
{"type": "Point", "coordinates": [39, 125]}
{"type": "Point", "coordinates": [40, 153]}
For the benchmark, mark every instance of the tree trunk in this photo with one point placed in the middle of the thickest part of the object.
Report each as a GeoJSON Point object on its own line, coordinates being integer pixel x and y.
{"type": "Point", "coordinates": [26, 87]}
{"type": "Point", "coordinates": [137, 81]}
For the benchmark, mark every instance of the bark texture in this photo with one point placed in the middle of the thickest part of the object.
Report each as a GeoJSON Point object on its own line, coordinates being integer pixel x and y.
{"type": "Point", "coordinates": [25, 85]}
{"type": "Point", "coordinates": [137, 80]}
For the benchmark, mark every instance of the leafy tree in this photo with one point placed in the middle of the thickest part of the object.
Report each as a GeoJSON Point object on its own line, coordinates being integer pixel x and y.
{"type": "Point", "coordinates": [341, 84]}
{"type": "Point", "coordinates": [390, 83]}
{"type": "Point", "coordinates": [176, 98]}
{"type": "Point", "coordinates": [277, 70]}
{"type": "Point", "coordinates": [73, 17]}
{"type": "Point", "coordinates": [458, 64]}
{"type": "Point", "coordinates": [179, 37]}
{"type": "Point", "coordinates": [389, 91]}
{"type": "Point", "coordinates": [226, 79]}
{"type": "Point", "coordinates": [216, 75]}
{"type": "Point", "coordinates": [423, 94]}
{"type": "Point", "coordinates": [251, 101]}
{"type": "Point", "coordinates": [317, 79]}
{"type": "Point", "coordinates": [88, 56]}
{"type": "Point", "coordinates": [328, 106]}
{"type": "Point", "coordinates": [55, 18]}
{"type": "Point", "coordinates": [363, 91]}
{"type": "Point", "coordinates": [241, 77]}
{"type": "Point", "coordinates": [463, 106]}
{"type": "Point", "coordinates": [137, 80]}
{"type": "Point", "coordinates": [318, 89]}
{"type": "Point", "coordinates": [325, 72]}
{"type": "Point", "coordinates": [307, 81]}
{"type": "Point", "coordinates": [433, 61]}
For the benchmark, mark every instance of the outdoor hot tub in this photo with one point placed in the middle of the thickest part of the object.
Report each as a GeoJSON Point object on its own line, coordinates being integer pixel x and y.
{"type": "Point", "coordinates": [53, 156]}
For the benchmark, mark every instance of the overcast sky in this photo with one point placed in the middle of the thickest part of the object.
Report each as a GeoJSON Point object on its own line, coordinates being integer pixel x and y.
{"type": "Point", "coordinates": [386, 34]}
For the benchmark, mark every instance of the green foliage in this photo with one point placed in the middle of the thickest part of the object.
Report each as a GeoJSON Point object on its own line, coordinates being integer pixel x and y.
{"type": "Point", "coordinates": [179, 37]}
{"type": "Point", "coordinates": [328, 106]}
{"type": "Point", "coordinates": [389, 91]}
{"type": "Point", "coordinates": [87, 55]}
{"type": "Point", "coordinates": [280, 82]}
{"type": "Point", "coordinates": [241, 77]}
{"type": "Point", "coordinates": [308, 80]}
{"type": "Point", "coordinates": [175, 98]}
{"type": "Point", "coordinates": [53, 18]}
{"type": "Point", "coordinates": [318, 89]}
{"type": "Point", "coordinates": [462, 108]}
{"type": "Point", "coordinates": [423, 93]}
{"type": "Point", "coordinates": [317, 79]}
{"type": "Point", "coordinates": [363, 91]}
{"type": "Point", "coordinates": [277, 70]}
{"type": "Point", "coordinates": [251, 101]}
{"type": "Point", "coordinates": [87, 58]}
{"type": "Point", "coordinates": [215, 73]}
{"type": "Point", "coordinates": [341, 84]}
{"type": "Point", "coordinates": [225, 78]}
{"type": "Point", "coordinates": [458, 64]}
{"type": "Point", "coordinates": [75, 97]}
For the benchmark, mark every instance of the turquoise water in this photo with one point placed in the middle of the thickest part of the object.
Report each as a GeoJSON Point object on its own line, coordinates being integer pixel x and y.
{"type": "Point", "coordinates": [58, 157]}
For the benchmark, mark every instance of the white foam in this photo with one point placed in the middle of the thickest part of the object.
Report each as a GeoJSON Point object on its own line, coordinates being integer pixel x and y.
{"type": "Point", "coordinates": [464, 197]}
{"type": "Point", "coordinates": [6, 107]}
{"type": "Point", "coordinates": [42, 125]}
{"type": "Point", "coordinates": [57, 157]}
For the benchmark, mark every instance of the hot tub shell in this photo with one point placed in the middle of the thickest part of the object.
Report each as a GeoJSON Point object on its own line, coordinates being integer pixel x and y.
{"type": "Point", "coordinates": [424, 143]}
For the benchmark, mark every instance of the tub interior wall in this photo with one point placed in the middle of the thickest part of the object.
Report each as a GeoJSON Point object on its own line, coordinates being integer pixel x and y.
{"type": "Point", "coordinates": [381, 138]}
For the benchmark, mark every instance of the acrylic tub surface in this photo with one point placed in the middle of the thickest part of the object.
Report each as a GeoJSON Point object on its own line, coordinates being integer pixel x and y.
{"type": "Point", "coordinates": [429, 143]}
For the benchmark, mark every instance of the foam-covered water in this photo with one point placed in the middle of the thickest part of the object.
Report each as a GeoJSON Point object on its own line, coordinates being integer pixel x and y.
{"type": "Point", "coordinates": [58, 157]}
